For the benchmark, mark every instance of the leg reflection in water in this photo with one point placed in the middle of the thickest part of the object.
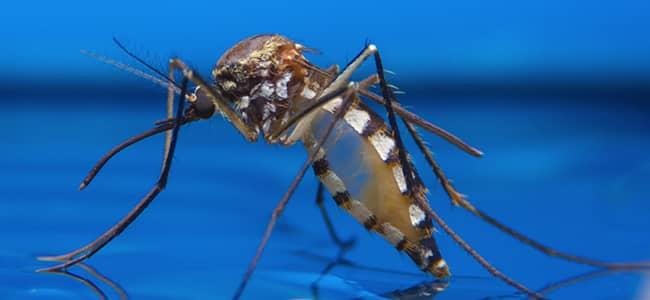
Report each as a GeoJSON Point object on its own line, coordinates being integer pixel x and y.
{"type": "Point", "coordinates": [92, 272]}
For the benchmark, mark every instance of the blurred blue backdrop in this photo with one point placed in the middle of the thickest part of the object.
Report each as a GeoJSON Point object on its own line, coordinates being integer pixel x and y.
{"type": "Point", "coordinates": [554, 92]}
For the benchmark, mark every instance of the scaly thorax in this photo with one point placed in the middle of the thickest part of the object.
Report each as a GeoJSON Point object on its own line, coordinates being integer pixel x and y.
{"type": "Point", "coordinates": [268, 80]}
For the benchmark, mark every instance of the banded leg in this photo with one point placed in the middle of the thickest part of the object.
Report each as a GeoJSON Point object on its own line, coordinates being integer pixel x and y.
{"type": "Point", "coordinates": [89, 250]}
{"type": "Point", "coordinates": [347, 96]}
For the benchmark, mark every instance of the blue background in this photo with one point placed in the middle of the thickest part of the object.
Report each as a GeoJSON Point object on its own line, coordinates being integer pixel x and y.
{"type": "Point", "coordinates": [554, 92]}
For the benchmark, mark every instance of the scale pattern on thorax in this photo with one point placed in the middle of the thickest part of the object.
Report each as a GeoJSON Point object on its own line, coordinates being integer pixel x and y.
{"type": "Point", "coordinates": [384, 204]}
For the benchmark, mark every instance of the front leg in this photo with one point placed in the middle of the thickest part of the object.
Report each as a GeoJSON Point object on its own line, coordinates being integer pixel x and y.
{"type": "Point", "coordinates": [348, 97]}
{"type": "Point", "coordinates": [85, 252]}
{"type": "Point", "coordinates": [205, 92]}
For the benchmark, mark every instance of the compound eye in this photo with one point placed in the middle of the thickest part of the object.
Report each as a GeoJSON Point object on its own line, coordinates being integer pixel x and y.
{"type": "Point", "coordinates": [203, 106]}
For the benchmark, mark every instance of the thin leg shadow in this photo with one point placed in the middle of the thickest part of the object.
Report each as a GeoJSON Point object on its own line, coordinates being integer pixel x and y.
{"type": "Point", "coordinates": [92, 272]}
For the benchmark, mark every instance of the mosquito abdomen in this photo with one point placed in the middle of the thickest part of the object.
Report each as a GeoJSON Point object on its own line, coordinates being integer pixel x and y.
{"type": "Point", "coordinates": [358, 164]}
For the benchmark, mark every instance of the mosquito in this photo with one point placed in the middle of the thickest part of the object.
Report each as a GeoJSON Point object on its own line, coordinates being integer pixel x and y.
{"type": "Point", "coordinates": [265, 86]}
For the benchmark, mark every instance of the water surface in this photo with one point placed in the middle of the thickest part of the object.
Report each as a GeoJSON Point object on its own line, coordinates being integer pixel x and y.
{"type": "Point", "coordinates": [572, 174]}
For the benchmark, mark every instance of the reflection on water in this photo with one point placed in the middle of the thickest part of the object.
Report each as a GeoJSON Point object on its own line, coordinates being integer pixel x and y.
{"type": "Point", "coordinates": [88, 281]}
{"type": "Point", "coordinates": [420, 291]}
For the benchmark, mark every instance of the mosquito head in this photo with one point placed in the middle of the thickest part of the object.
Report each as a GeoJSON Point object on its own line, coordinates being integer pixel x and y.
{"type": "Point", "coordinates": [262, 76]}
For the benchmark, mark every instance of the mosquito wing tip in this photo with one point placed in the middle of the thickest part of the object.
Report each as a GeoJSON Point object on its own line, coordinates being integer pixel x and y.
{"type": "Point", "coordinates": [82, 185]}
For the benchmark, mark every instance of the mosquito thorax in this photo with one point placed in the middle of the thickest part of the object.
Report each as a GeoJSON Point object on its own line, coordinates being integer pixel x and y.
{"type": "Point", "coordinates": [264, 77]}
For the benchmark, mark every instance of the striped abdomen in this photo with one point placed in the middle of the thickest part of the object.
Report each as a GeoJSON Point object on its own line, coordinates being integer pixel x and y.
{"type": "Point", "coordinates": [359, 165]}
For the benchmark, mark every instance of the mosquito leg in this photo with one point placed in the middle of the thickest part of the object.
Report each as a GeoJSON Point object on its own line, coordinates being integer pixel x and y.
{"type": "Point", "coordinates": [328, 222]}
{"type": "Point", "coordinates": [459, 199]}
{"type": "Point", "coordinates": [340, 260]}
{"type": "Point", "coordinates": [164, 127]}
{"type": "Point", "coordinates": [390, 98]}
{"type": "Point", "coordinates": [343, 77]}
{"type": "Point", "coordinates": [413, 118]}
{"type": "Point", "coordinates": [91, 175]}
{"type": "Point", "coordinates": [208, 91]}
{"type": "Point", "coordinates": [388, 95]}
{"type": "Point", "coordinates": [333, 70]}
{"type": "Point", "coordinates": [456, 197]}
{"type": "Point", "coordinates": [407, 118]}
{"type": "Point", "coordinates": [269, 228]}
{"type": "Point", "coordinates": [315, 289]}
{"type": "Point", "coordinates": [171, 89]}
{"type": "Point", "coordinates": [170, 108]}
{"type": "Point", "coordinates": [92, 248]}
{"type": "Point", "coordinates": [482, 261]}
{"type": "Point", "coordinates": [340, 82]}
{"type": "Point", "coordinates": [406, 167]}
{"type": "Point", "coordinates": [347, 102]}
{"type": "Point", "coordinates": [303, 115]}
{"type": "Point", "coordinates": [326, 217]}
{"type": "Point", "coordinates": [218, 100]}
